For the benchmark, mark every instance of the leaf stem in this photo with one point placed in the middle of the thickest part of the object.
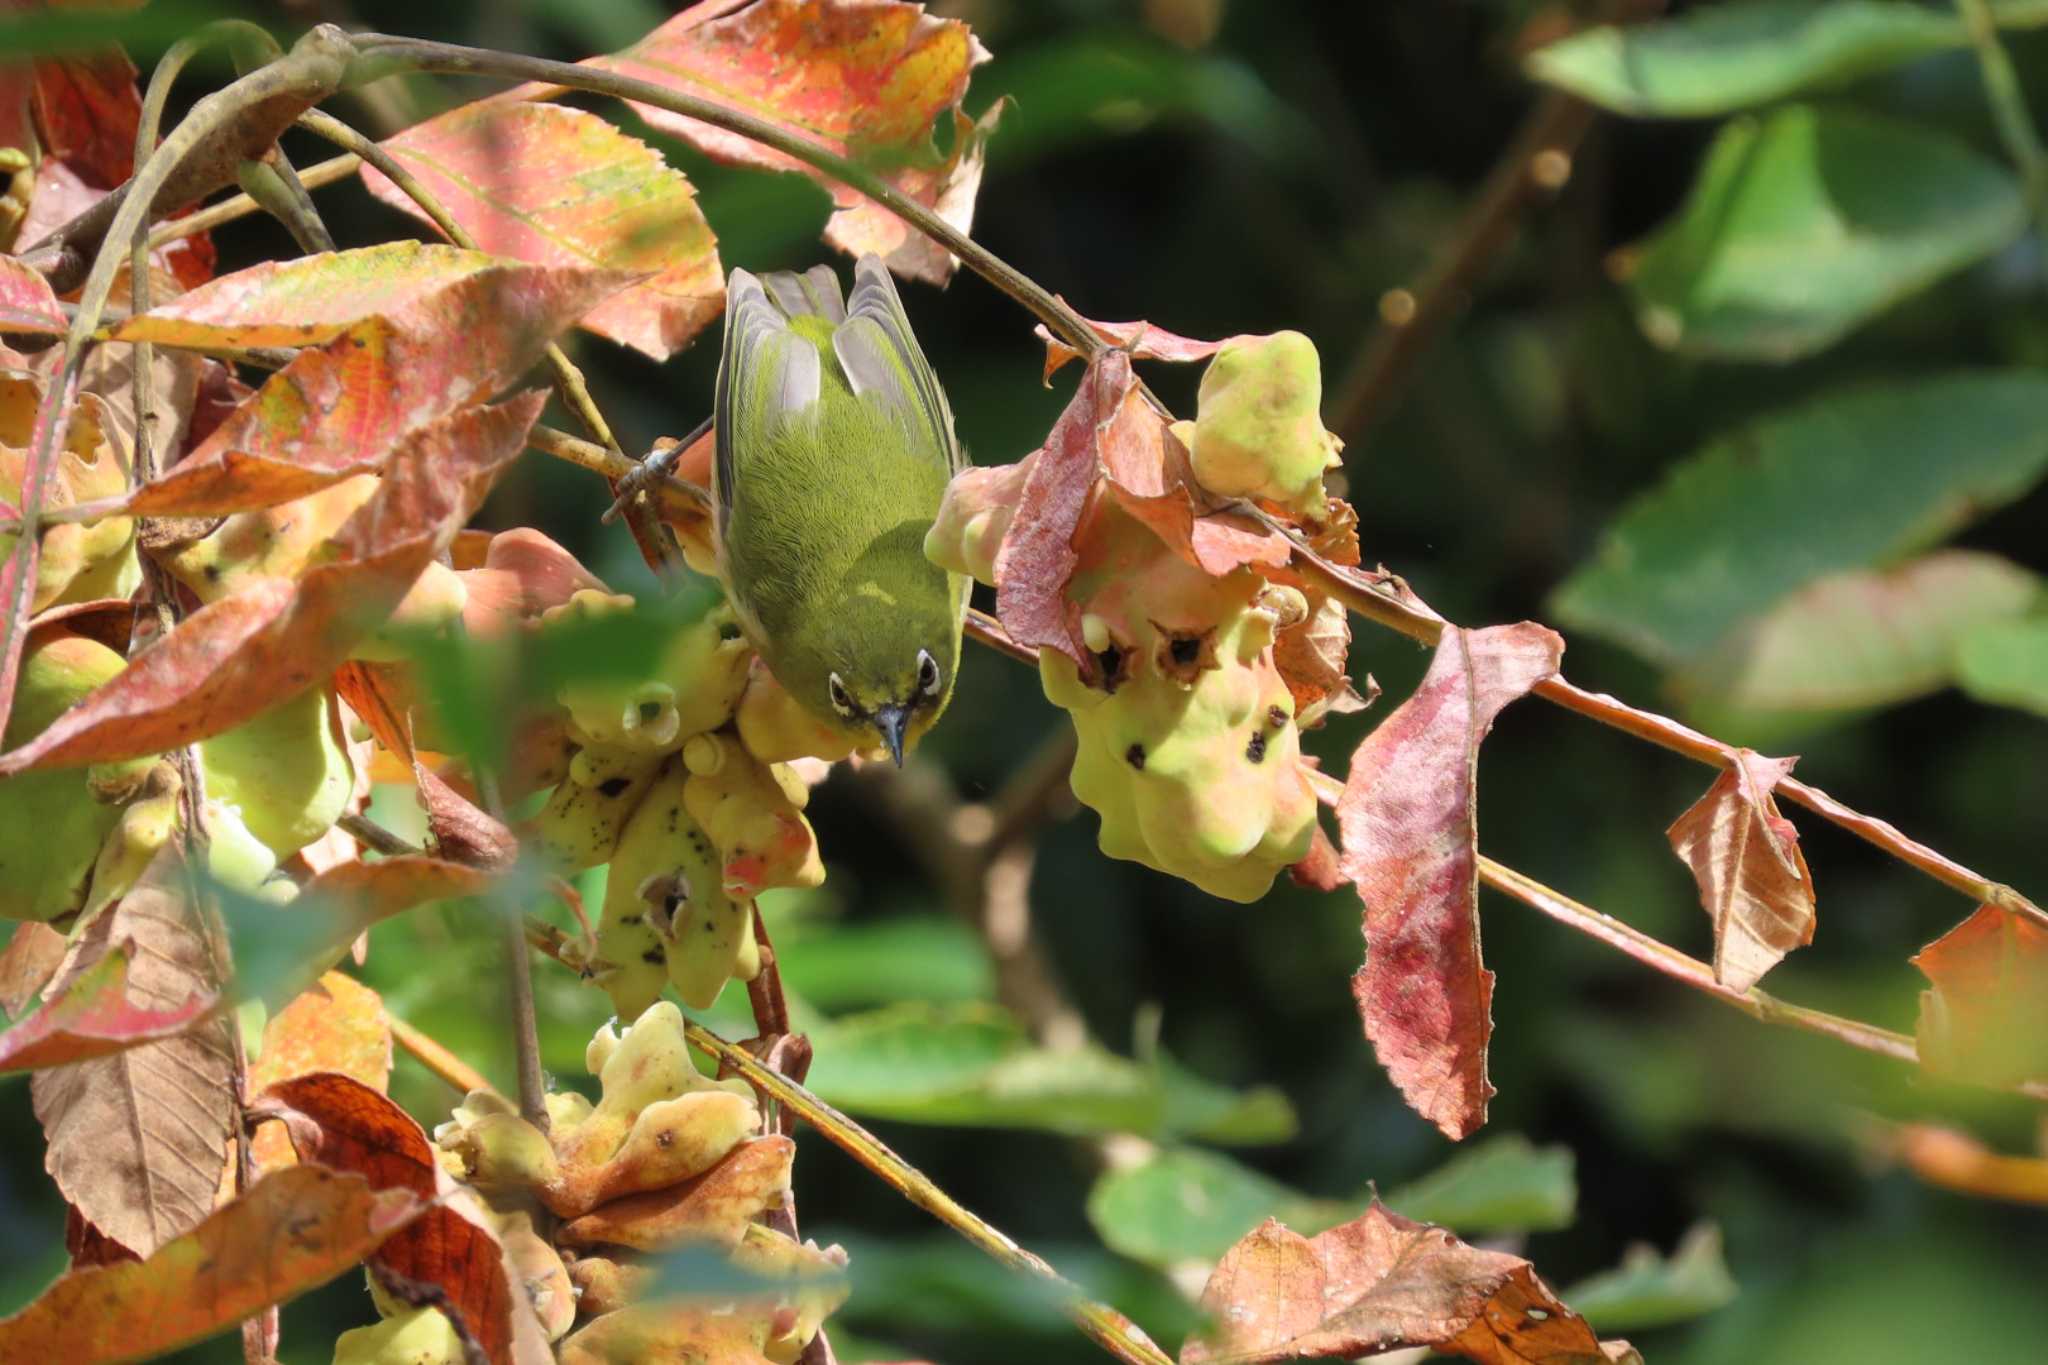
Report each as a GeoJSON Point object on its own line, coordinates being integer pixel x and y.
{"type": "Point", "coordinates": [1109, 1329]}
{"type": "Point", "coordinates": [383, 53]}
{"type": "Point", "coordinates": [435, 1057]}
{"type": "Point", "coordinates": [2008, 102]}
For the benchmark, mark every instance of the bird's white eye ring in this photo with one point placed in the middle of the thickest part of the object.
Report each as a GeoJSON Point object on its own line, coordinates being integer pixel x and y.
{"type": "Point", "coordinates": [841, 702]}
{"type": "Point", "coordinates": [927, 673]}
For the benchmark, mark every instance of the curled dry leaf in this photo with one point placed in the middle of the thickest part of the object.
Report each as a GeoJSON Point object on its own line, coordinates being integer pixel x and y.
{"type": "Point", "coordinates": [137, 1139]}
{"type": "Point", "coordinates": [336, 1024]}
{"type": "Point", "coordinates": [868, 79]}
{"type": "Point", "coordinates": [449, 1256]}
{"type": "Point", "coordinates": [1986, 1018]}
{"type": "Point", "coordinates": [559, 186]}
{"type": "Point", "coordinates": [1140, 339]}
{"type": "Point", "coordinates": [293, 1231]}
{"type": "Point", "coordinates": [1751, 875]}
{"type": "Point", "coordinates": [1411, 845]}
{"type": "Point", "coordinates": [278, 637]}
{"type": "Point", "coordinates": [1381, 1282]}
{"type": "Point", "coordinates": [92, 1017]}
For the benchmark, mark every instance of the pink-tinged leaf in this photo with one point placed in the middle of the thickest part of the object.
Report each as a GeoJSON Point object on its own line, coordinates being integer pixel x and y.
{"type": "Point", "coordinates": [1037, 556]}
{"type": "Point", "coordinates": [558, 186]}
{"type": "Point", "coordinates": [26, 303]}
{"type": "Point", "coordinates": [278, 637]}
{"type": "Point", "coordinates": [313, 299]}
{"type": "Point", "coordinates": [1379, 1283]}
{"type": "Point", "coordinates": [87, 108]}
{"type": "Point", "coordinates": [1141, 339]}
{"type": "Point", "coordinates": [293, 1231]}
{"type": "Point", "coordinates": [948, 188]}
{"type": "Point", "coordinates": [92, 1018]}
{"type": "Point", "coordinates": [868, 79]}
{"type": "Point", "coordinates": [338, 408]}
{"type": "Point", "coordinates": [18, 571]}
{"type": "Point", "coordinates": [450, 1254]}
{"type": "Point", "coordinates": [1409, 818]}
{"type": "Point", "coordinates": [61, 194]}
{"type": "Point", "coordinates": [1986, 1020]}
{"type": "Point", "coordinates": [1751, 875]}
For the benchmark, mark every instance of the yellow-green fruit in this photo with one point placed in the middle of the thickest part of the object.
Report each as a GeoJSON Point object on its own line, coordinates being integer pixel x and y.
{"type": "Point", "coordinates": [434, 601]}
{"type": "Point", "coordinates": [776, 729]}
{"type": "Point", "coordinates": [287, 771]}
{"type": "Point", "coordinates": [753, 812]}
{"type": "Point", "coordinates": [235, 857]}
{"type": "Point", "coordinates": [1259, 427]}
{"type": "Point", "coordinates": [51, 828]}
{"type": "Point", "coordinates": [632, 932]}
{"type": "Point", "coordinates": [582, 821]}
{"type": "Point", "coordinates": [417, 1336]}
{"type": "Point", "coordinates": [817, 1278]}
{"type": "Point", "coordinates": [144, 827]}
{"type": "Point", "coordinates": [274, 542]}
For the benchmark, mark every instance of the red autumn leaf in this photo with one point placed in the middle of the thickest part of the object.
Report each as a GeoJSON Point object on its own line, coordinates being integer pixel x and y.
{"type": "Point", "coordinates": [1379, 1283]}
{"type": "Point", "coordinates": [313, 299]}
{"type": "Point", "coordinates": [279, 636]}
{"type": "Point", "coordinates": [27, 963]}
{"type": "Point", "coordinates": [338, 408]}
{"type": "Point", "coordinates": [390, 886]}
{"type": "Point", "coordinates": [558, 186]}
{"type": "Point", "coordinates": [293, 1231]}
{"type": "Point", "coordinates": [26, 303]}
{"type": "Point", "coordinates": [1140, 339]}
{"type": "Point", "coordinates": [92, 1018]}
{"type": "Point", "coordinates": [1322, 869]}
{"type": "Point", "coordinates": [447, 1257]}
{"type": "Point", "coordinates": [1751, 875]}
{"type": "Point", "coordinates": [1411, 847]}
{"type": "Point", "coordinates": [1986, 1019]}
{"type": "Point", "coordinates": [868, 79]}
{"type": "Point", "coordinates": [337, 1024]}
{"type": "Point", "coordinates": [87, 109]}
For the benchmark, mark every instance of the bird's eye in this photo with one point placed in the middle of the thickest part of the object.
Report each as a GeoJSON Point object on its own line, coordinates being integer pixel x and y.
{"type": "Point", "coordinates": [927, 673]}
{"type": "Point", "coordinates": [841, 702]}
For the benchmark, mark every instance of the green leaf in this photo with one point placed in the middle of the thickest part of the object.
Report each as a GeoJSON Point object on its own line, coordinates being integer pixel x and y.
{"type": "Point", "coordinates": [838, 966]}
{"type": "Point", "coordinates": [973, 1065]}
{"type": "Point", "coordinates": [1646, 1290]}
{"type": "Point", "coordinates": [1200, 1108]}
{"type": "Point", "coordinates": [1858, 477]}
{"type": "Point", "coordinates": [2006, 663]}
{"type": "Point", "coordinates": [1864, 638]}
{"type": "Point", "coordinates": [1719, 59]}
{"type": "Point", "coordinates": [1506, 1184]}
{"type": "Point", "coordinates": [1808, 222]}
{"type": "Point", "coordinates": [1191, 1205]}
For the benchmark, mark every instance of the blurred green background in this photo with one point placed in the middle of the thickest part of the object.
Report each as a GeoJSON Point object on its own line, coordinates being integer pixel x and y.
{"type": "Point", "coordinates": [1219, 166]}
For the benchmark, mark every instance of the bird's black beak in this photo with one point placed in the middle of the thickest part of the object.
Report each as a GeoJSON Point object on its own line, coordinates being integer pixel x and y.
{"type": "Point", "coordinates": [891, 720]}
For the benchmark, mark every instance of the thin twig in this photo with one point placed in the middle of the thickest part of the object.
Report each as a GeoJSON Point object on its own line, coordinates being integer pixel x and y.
{"type": "Point", "coordinates": [373, 835]}
{"type": "Point", "coordinates": [1536, 163]}
{"type": "Point", "coordinates": [460, 1075]}
{"type": "Point", "coordinates": [242, 205]}
{"type": "Point", "coordinates": [1109, 1329]}
{"type": "Point", "coordinates": [2008, 101]}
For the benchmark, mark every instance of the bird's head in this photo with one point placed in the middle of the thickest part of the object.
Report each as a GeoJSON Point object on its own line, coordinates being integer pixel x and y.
{"type": "Point", "coordinates": [880, 673]}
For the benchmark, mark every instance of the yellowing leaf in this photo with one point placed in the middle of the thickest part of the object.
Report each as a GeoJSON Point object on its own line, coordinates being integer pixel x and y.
{"type": "Point", "coordinates": [337, 1024]}
{"type": "Point", "coordinates": [1986, 1018]}
{"type": "Point", "coordinates": [1751, 875]}
{"type": "Point", "coordinates": [558, 186]}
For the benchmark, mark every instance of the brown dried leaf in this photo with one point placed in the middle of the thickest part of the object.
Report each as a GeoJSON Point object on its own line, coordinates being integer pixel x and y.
{"type": "Point", "coordinates": [1751, 875]}
{"type": "Point", "coordinates": [1986, 1020]}
{"type": "Point", "coordinates": [1312, 656]}
{"type": "Point", "coordinates": [30, 959]}
{"type": "Point", "coordinates": [94, 1016]}
{"type": "Point", "coordinates": [1411, 845]}
{"type": "Point", "coordinates": [338, 1024]}
{"type": "Point", "coordinates": [1379, 1283]}
{"type": "Point", "coordinates": [138, 1139]}
{"type": "Point", "coordinates": [558, 186]}
{"type": "Point", "coordinates": [278, 636]}
{"type": "Point", "coordinates": [461, 831]}
{"type": "Point", "coordinates": [1141, 339]}
{"type": "Point", "coordinates": [448, 1257]}
{"type": "Point", "coordinates": [293, 1231]}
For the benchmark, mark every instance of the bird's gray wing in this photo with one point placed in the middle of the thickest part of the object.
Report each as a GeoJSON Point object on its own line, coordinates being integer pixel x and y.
{"type": "Point", "coordinates": [765, 371]}
{"type": "Point", "coordinates": [879, 353]}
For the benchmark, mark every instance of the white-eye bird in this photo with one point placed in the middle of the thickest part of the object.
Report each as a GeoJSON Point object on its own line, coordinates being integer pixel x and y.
{"type": "Point", "coordinates": [834, 446]}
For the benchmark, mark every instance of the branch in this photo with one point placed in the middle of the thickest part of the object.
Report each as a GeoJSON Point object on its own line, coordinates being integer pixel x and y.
{"type": "Point", "coordinates": [2008, 102]}
{"type": "Point", "coordinates": [460, 1075]}
{"type": "Point", "coordinates": [1108, 1328]}
{"type": "Point", "coordinates": [385, 53]}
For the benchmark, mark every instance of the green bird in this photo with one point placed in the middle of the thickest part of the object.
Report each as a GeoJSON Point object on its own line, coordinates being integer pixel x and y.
{"type": "Point", "coordinates": [834, 446]}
